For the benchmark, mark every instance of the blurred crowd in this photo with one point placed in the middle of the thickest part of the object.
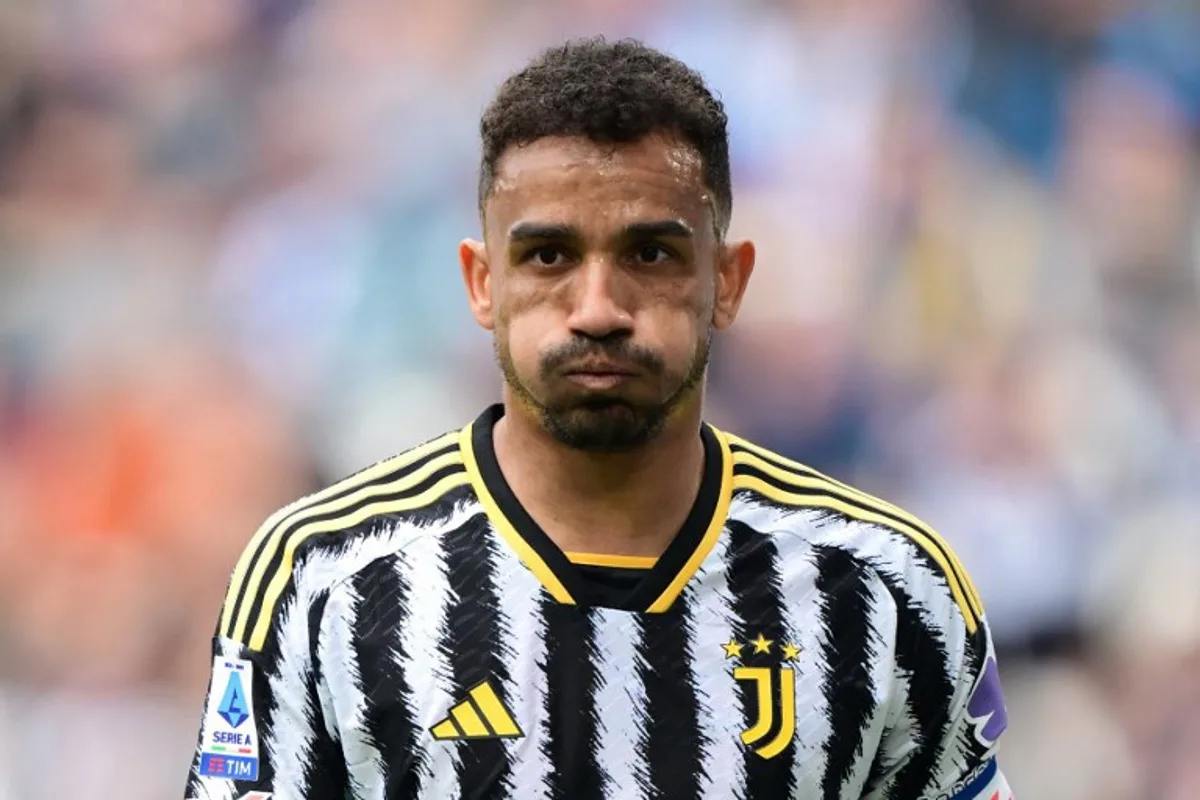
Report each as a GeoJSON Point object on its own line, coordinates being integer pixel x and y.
{"type": "Point", "coordinates": [228, 275]}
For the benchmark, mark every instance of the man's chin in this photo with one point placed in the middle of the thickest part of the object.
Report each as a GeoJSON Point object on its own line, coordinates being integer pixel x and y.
{"type": "Point", "coordinates": [603, 425]}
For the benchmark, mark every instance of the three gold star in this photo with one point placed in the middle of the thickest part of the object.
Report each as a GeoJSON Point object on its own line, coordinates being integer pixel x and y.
{"type": "Point", "coordinates": [787, 650]}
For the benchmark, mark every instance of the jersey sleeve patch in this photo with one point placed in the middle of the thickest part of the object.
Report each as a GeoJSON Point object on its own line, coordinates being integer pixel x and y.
{"type": "Point", "coordinates": [985, 708]}
{"type": "Point", "coordinates": [229, 748]}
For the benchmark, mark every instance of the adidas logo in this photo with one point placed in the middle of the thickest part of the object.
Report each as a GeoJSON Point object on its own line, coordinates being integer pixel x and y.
{"type": "Point", "coordinates": [480, 716]}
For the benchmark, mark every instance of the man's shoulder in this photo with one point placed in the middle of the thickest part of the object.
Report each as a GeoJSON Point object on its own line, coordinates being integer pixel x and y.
{"type": "Point", "coordinates": [310, 545]}
{"type": "Point", "coordinates": [778, 494]}
{"type": "Point", "coordinates": [765, 477]}
{"type": "Point", "coordinates": [392, 500]}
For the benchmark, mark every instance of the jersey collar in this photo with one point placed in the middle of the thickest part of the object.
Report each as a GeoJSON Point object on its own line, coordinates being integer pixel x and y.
{"type": "Point", "coordinates": [562, 580]}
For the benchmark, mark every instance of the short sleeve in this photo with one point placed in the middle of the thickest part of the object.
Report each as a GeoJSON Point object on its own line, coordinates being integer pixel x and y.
{"type": "Point", "coordinates": [948, 713]}
{"type": "Point", "coordinates": [263, 732]}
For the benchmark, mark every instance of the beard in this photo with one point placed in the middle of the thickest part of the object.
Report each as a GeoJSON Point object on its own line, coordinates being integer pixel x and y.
{"type": "Point", "coordinates": [606, 422]}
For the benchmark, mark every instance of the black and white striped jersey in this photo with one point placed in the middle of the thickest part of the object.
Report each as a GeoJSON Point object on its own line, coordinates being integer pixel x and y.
{"type": "Point", "coordinates": [411, 634]}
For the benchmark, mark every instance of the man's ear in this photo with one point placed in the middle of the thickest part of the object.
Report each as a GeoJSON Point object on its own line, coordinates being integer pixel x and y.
{"type": "Point", "coordinates": [733, 275]}
{"type": "Point", "coordinates": [477, 275]}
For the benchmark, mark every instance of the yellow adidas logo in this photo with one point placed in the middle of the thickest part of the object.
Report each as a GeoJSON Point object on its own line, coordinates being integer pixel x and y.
{"type": "Point", "coordinates": [480, 716]}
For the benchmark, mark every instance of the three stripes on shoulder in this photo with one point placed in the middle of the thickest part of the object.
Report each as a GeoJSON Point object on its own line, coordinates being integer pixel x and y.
{"type": "Point", "coordinates": [792, 484]}
{"type": "Point", "coordinates": [412, 480]}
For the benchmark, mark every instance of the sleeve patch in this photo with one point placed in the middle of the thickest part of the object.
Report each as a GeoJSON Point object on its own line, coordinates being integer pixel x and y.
{"type": "Point", "coordinates": [985, 709]}
{"type": "Point", "coordinates": [229, 748]}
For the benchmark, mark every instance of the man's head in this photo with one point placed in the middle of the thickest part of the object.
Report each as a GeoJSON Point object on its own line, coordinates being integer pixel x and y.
{"type": "Point", "coordinates": [605, 196]}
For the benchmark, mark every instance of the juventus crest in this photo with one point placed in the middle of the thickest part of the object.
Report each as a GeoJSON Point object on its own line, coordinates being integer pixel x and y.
{"type": "Point", "coordinates": [768, 679]}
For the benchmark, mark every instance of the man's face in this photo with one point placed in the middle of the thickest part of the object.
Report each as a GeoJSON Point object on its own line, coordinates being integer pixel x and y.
{"type": "Point", "coordinates": [601, 277]}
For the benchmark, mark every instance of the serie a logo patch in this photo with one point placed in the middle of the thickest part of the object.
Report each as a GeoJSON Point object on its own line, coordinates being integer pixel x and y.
{"type": "Point", "coordinates": [230, 745]}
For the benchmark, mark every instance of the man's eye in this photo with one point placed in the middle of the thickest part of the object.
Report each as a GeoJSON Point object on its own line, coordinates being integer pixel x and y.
{"type": "Point", "coordinates": [652, 254]}
{"type": "Point", "coordinates": [548, 256]}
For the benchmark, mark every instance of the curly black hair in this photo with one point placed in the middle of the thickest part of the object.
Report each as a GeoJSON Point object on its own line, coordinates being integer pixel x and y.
{"type": "Point", "coordinates": [613, 93]}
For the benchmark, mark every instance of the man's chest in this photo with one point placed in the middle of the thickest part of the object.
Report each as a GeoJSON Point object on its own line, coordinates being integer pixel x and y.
{"type": "Point", "coordinates": [742, 691]}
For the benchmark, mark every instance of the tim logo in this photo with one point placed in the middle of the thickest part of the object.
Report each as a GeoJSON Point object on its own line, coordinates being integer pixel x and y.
{"type": "Point", "coordinates": [770, 690]}
{"type": "Point", "coordinates": [238, 768]}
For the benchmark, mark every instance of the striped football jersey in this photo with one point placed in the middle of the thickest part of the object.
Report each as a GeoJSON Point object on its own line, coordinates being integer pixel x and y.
{"type": "Point", "coordinates": [412, 634]}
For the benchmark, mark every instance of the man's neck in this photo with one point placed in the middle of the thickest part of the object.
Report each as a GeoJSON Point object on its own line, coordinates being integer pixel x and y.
{"type": "Point", "coordinates": [614, 504]}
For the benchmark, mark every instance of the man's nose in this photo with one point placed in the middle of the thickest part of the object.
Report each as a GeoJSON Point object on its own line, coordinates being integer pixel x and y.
{"type": "Point", "coordinates": [600, 304]}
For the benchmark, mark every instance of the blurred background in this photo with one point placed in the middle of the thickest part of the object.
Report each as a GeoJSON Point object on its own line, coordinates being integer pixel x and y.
{"type": "Point", "coordinates": [228, 275]}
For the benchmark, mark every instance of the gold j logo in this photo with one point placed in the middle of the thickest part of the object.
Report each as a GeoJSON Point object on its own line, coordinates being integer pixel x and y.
{"type": "Point", "coordinates": [774, 691]}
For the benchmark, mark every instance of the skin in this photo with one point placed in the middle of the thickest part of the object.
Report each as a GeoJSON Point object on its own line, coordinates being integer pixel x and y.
{"type": "Point", "coordinates": [602, 276]}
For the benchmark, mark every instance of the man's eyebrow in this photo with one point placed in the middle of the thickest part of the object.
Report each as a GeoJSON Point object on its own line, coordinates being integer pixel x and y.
{"type": "Point", "coordinates": [654, 229]}
{"type": "Point", "coordinates": [524, 231]}
{"type": "Point", "coordinates": [658, 229]}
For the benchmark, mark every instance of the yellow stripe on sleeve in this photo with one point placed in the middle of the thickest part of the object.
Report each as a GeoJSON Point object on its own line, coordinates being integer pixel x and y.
{"type": "Point", "coordinates": [245, 582]}
{"type": "Point", "coordinates": [833, 503]}
{"type": "Point", "coordinates": [960, 572]}
{"type": "Point", "coordinates": [403, 482]}
{"type": "Point", "coordinates": [281, 576]}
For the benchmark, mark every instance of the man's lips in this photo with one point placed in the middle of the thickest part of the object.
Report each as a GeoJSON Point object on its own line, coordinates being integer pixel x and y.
{"type": "Point", "coordinates": [599, 375]}
{"type": "Point", "coordinates": [600, 368]}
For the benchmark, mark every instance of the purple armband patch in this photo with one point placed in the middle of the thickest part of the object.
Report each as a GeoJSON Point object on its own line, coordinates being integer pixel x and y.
{"type": "Point", "coordinates": [985, 709]}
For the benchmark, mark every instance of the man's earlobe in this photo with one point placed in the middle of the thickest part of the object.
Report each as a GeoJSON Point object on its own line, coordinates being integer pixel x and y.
{"type": "Point", "coordinates": [477, 275]}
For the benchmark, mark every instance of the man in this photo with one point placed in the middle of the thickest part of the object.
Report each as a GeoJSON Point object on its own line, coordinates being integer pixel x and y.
{"type": "Point", "coordinates": [588, 592]}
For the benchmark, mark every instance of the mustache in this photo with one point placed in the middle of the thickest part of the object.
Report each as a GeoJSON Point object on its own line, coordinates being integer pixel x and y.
{"type": "Point", "coordinates": [620, 351]}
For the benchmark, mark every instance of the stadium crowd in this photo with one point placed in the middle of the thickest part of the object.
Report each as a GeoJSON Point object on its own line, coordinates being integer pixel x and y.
{"type": "Point", "coordinates": [228, 275]}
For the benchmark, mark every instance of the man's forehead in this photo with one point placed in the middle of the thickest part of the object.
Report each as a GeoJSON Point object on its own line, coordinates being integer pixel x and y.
{"type": "Point", "coordinates": [571, 175]}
